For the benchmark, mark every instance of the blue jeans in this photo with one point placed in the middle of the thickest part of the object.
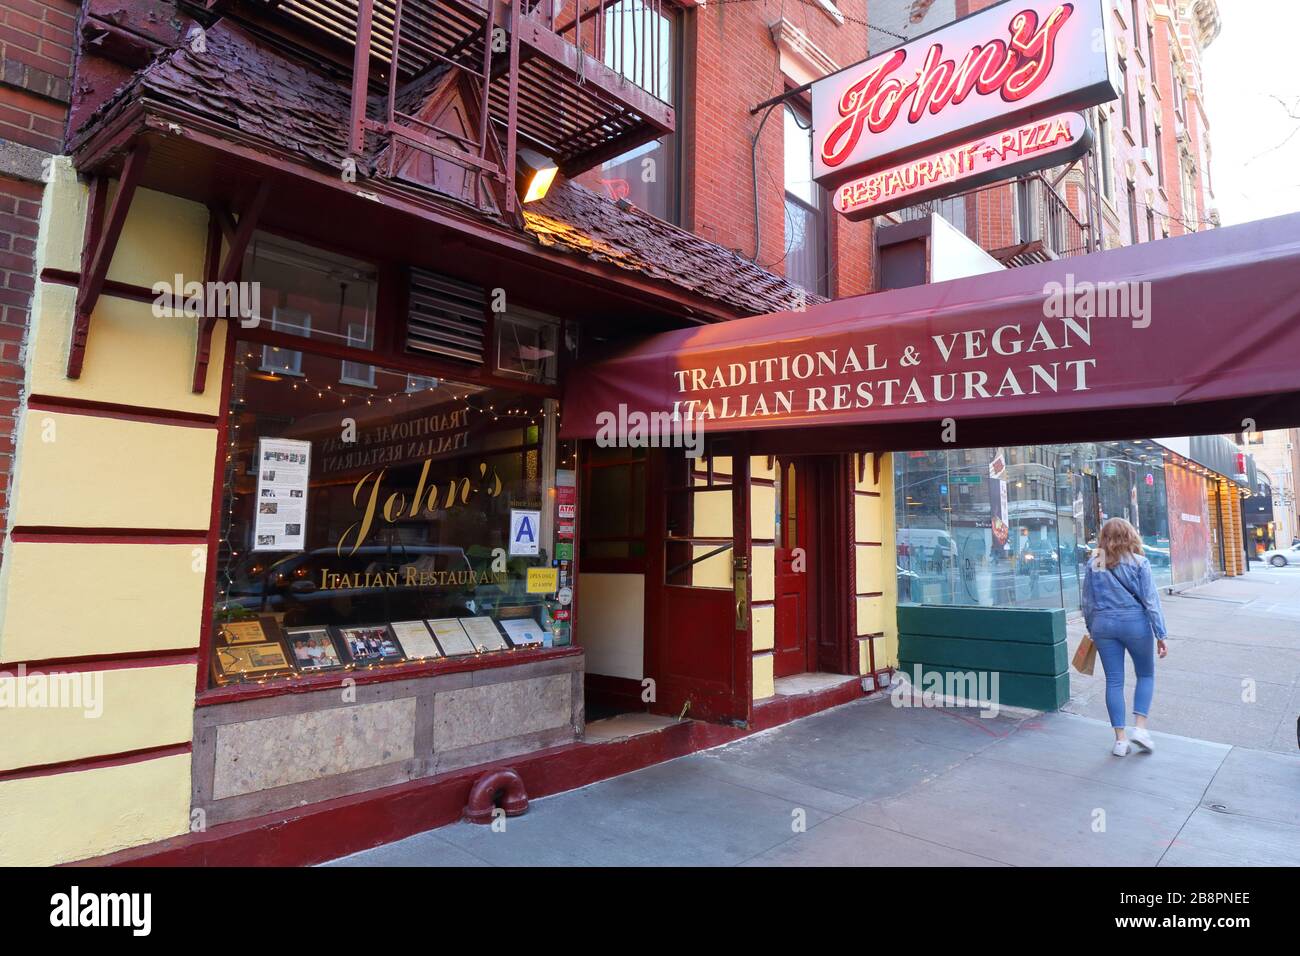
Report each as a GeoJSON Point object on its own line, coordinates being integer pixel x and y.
{"type": "Point", "coordinates": [1117, 631]}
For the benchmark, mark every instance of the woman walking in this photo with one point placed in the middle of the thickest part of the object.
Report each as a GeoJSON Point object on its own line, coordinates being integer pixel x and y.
{"type": "Point", "coordinates": [1122, 611]}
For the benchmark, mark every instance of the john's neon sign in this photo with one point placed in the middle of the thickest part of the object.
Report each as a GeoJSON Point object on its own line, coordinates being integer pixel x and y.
{"type": "Point", "coordinates": [1013, 69]}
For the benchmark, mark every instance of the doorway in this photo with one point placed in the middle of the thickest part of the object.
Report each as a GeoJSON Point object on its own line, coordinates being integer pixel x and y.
{"type": "Point", "coordinates": [698, 651]}
{"type": "Point", "coordinates": [793, 651]}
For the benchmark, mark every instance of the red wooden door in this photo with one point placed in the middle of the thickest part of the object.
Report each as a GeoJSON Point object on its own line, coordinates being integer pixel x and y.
{"type": "Point", "coordinates": [791, 640]}
{"type": "Point", "coordinates": [698, 645]}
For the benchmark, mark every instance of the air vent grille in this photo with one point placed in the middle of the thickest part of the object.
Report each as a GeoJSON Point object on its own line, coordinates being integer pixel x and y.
{"type": "Point", "coordinates": [446, 318]}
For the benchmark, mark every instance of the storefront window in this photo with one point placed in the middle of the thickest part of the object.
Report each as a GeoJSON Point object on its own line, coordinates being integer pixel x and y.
{"type": "Point", "coordinates": [372, 517]}
{"type": "Point", "coordinates": [1014, 526]}
{"type": "Point", "coordinates": [978, 527]}
{"type": "Point", "coordinates": [614, 504]}
{"type": "Point", "coordinates": [305, 291]}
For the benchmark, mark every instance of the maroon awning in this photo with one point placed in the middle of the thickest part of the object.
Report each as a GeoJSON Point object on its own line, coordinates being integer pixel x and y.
{"type": "Point", "coordinates": [1209, 334]}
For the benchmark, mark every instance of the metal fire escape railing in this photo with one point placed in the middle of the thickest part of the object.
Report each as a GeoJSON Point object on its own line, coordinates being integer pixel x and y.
{"type": "Point", "coordinates": [579, 81]}
{"type": "Point", "coordinates": [1045, 226]}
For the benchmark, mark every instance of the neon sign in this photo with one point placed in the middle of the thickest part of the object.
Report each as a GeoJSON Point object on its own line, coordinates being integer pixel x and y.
{"type": "Point", "coordinates": [1017, 61]}
{"type": "Point", "coordinates": [1046, 142]}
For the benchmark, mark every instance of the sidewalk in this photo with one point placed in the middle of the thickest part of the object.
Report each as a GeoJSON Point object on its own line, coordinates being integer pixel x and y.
{"type": "Point", "coordinates": [1220, 635]}
{"type": "Point", "coordinates": [879, 785]}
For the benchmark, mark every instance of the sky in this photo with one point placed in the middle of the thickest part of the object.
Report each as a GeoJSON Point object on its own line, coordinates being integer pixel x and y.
{"type": "Point", "coordinates": [1255, 162]}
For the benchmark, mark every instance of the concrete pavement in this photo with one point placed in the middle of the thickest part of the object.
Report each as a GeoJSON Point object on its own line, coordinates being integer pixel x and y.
{"type": "Point", "coordinates": [872, 784]}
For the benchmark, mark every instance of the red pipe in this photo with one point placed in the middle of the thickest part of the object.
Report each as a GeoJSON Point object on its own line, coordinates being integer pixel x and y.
{"type": "Point", "coordinates": [504, 788]}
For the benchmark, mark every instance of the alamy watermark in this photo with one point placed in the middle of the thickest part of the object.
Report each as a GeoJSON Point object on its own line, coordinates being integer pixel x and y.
{"type": "Point", "coordinates": [932, 688]}
{"type": "Point", "coordinates": [214, 300]}
{"type": "Point", "coordinates": [635, 429]}
{"type": "Point", "coordinates": [64, 690]}
{"type": "Point", "coordinates": [1103, 300]}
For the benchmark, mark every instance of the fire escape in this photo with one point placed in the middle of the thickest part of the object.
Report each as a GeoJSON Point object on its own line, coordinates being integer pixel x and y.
{"type": "Point", "coordinates": [471, 83]}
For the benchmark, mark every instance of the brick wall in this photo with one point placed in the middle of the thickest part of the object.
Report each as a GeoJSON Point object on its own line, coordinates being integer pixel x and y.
{"type": "Point", "coordinates": [36, 54]}
{"type": "Point", "coordinates": [733, 64]}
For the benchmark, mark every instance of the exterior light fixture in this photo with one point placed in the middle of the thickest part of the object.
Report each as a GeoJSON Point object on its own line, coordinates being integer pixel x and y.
{"type": "Point", "coordinates": [534, 173]}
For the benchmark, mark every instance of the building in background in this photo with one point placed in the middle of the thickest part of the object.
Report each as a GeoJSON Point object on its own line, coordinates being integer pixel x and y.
{"type": "Point", "coordinates": [1275, 454]}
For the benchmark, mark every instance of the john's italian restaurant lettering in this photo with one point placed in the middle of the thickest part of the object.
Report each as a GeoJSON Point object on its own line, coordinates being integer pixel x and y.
{"type": "Point", "coordinates": [410, 577]}
{"type": "Point", "coordinates": [858, 376]}
{"type": "Point", "coordinates": [426, 499]}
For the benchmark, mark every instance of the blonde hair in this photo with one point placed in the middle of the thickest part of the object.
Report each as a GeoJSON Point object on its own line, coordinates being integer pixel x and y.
{"type": "Point", "coordinates": [1117, 540]}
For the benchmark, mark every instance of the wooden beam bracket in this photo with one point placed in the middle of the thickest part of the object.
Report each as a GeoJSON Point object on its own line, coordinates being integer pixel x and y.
{"type": "Point", "coordinates": [102, 234]}
{"type": "Point", "coordinates": [237, 237]}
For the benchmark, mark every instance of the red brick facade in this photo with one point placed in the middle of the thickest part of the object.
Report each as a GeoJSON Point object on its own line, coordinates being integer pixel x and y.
{"type": "Point", "coordinates": [734, 63]}
{"type": "Point", "coordinates": [36, 54]}
{"type": "Point", "coordinates": [735, 56]}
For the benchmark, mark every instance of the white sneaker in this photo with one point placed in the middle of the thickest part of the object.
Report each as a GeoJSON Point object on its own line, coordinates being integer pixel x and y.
{"type": "Point", "coordinates": [1142, 738]}
{"type": "Point", "coordinates": [1120, 749]}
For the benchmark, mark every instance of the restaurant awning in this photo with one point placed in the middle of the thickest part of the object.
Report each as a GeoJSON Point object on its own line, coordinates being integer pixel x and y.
{"type": "Point", "coordinates": [1190, 335]}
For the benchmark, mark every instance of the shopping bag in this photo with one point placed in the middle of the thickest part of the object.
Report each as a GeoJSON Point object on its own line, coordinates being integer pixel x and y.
{"type": "Point", "coordinates": [1085, 656]}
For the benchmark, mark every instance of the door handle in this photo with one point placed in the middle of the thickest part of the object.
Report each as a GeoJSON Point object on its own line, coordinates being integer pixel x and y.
{"type": "Point", "coordinates": [742, 600]}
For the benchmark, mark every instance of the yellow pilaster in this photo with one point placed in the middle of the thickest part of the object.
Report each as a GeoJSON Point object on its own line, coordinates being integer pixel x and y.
{"type": "Point", "coordinates": [101, 585]}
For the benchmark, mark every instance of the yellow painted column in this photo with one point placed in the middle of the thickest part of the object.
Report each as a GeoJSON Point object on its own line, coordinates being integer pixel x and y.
{"type": "Point", "coordinates": [876, 587]}
{"type": "Point", "coordinates": [762, 523]}
{"type": "Point", "coordinates": [102, 581]}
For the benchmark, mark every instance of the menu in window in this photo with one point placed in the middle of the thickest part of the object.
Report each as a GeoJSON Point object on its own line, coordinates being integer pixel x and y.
{"type": "Point", "coordinates": [283, 470]}
{"type": "Point", "coordinates": [483, 632]}
{"type": "Point", "coordinates": [415, 639]}
{"type": "Point", "coordinates": [451, 636]}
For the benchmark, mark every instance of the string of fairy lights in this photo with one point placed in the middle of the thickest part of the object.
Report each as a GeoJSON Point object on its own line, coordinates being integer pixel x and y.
{"type": "Point", "coordinates": [348, 395]}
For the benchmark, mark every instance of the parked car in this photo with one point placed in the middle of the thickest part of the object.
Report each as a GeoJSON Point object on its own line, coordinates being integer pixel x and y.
{"type": "Point", "coordinates": [1281, 557]}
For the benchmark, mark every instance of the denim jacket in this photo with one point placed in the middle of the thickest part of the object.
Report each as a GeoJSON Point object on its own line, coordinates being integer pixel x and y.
{"type": "Point", "coordinates": [1101, 592]}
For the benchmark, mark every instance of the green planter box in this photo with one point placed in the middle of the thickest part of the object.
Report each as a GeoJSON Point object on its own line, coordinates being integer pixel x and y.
{"type": "Point", "coordinates": [1029, 625]}
{"type": "Point", "coordinates": [1036, 691]}
{"type": "Point", "coordinates": [1024, 646]}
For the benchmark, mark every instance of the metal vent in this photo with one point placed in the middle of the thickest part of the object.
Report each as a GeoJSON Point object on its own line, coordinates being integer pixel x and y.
{"type": "Point", "coordinates": [446, 318]}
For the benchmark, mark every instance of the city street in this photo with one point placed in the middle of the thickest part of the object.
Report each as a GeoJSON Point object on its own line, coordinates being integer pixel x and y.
{"type": "Point", "coordinates": [882, 785]}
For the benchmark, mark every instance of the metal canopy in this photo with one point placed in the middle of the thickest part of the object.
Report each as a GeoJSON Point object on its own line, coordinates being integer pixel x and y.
{"type": "Point", "coordinates": [574, 79]}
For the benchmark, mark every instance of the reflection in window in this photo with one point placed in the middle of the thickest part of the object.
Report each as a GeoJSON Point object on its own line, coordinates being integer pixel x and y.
{"type": "Point", "coordinates": [358, 373]}
{"type": "Point", "coordinates": [309, 292]}
{"type": "Point", "coordinates": [527, 345]}
{"type": "Point", "coordinates": [805, 213]}
{"type": "Point", "coordinates": [640, 44]}
{"type": "Point", "coordinates": [971, 533]}
{"type": "Point", "coordinates": [291, 322]}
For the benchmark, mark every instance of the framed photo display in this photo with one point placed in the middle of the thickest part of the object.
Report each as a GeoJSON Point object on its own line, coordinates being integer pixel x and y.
{"type": "Point", "coordinates": [244, 632]}
{"type": "Point", "coordinates": [241, 661]}
{"type": "Point", "coordinates": [370, 644]}
{"type": "Point", "coordinates": [312, 648]}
